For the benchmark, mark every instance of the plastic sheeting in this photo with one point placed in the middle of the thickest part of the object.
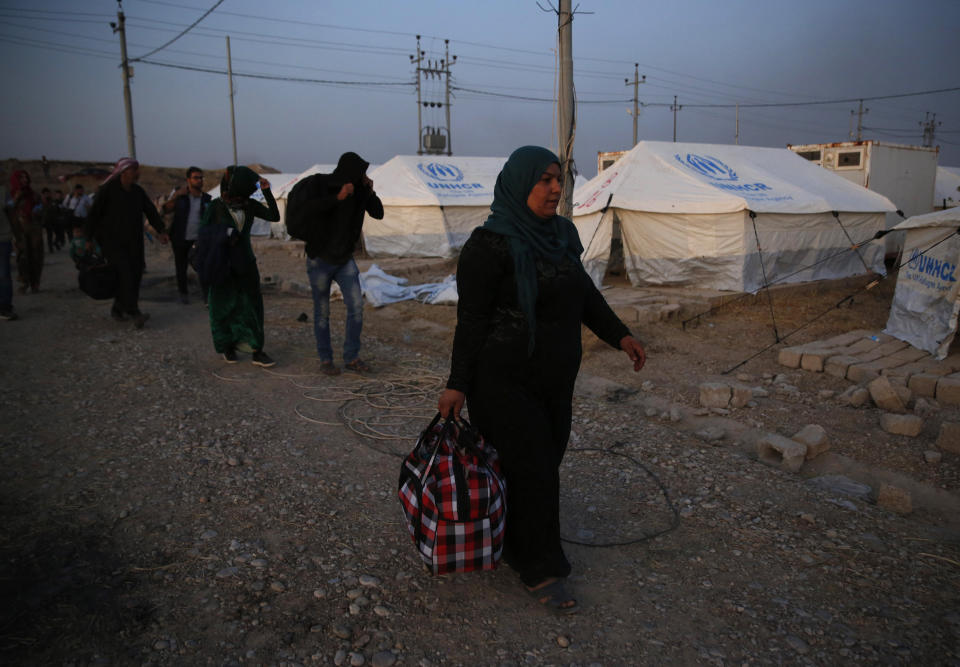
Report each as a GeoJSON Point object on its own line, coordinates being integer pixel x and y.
{"type": "Point", "coordinates": [925, 304]}
{"type": "Point", "coordinates": [380, 289]}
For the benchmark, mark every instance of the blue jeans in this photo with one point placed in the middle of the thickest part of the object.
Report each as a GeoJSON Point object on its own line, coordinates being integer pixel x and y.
{"type": "Point", "coordinates": [347, 276]}
{"type": "Point", "coordinates": [6, 282]}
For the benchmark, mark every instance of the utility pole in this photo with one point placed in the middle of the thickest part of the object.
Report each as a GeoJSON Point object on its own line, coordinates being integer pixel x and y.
{"type": "Point", "coordinates": [859, 112]}
{"type": "Point", "coordinates": [736, 135]}
{"type": "Point", "coordinates": [929, 126]}
{"type": "Point", "coordinates": [119, 27]}
{"type": "Point", "coordinates": [566, 112]}
{"type": "Point", "coordinates": [636, 84]}
{"type": "Point", "coordinates": [233, 122]}
{"type": "Point", "coordinates": [446, 64]}
{"type": "Point", "coordinates": [433, 141]}
{"type": "Point", "coordinates": [675, 108]}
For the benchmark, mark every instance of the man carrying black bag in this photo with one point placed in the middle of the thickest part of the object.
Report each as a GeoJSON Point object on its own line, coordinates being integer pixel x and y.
{"type": "Point", "coordinates": [326, 211]}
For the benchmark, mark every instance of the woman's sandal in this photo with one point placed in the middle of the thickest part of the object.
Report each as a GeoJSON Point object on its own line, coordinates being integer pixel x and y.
{"type": "Point", "coordinates": [555, 597]}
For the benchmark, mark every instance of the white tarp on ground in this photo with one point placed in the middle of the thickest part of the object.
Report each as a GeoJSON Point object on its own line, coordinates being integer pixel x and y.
{"type": "Point", "coordinates": [683, 212]}
{"type": "Point", "coordinates": [925, 305]}
{"type": "Point", "coordinates": [380, 288]}
{"type": "Point", "coordinates": [431, 204]}
{"type": "Point", "coordinates": [947, 192]}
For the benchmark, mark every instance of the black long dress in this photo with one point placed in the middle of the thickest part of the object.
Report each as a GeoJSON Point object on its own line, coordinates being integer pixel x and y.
{"type": "Point", "coordinates": [522, 403]}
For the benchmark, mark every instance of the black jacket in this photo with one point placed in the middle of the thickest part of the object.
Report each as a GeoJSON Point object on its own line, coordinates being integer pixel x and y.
{"type": "Point", "coordinates": [181, 211]}
{"type": "Point", "coordinates": [339, 222]}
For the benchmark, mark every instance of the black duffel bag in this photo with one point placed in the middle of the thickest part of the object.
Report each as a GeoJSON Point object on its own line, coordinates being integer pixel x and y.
{"type": "Point", "coordinates": [97, 277]}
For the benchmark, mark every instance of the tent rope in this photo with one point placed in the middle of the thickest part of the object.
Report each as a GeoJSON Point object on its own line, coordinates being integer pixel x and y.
{"type": "Point", "coordinates": [849, 297]}
{"type": "Point", "coordinates": [853, 246]}
{"type": "Point", "coordinates": [713, 309]}
{"type": "Point", "coordinates": [763, 270]}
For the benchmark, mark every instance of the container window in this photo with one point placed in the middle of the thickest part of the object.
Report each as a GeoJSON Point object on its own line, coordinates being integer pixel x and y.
{"type": "Point", "coordinates": [813, 156]}
{"type": "Point", "coordinates": [606, 163]}
{"type": "Point", "coordinates": [849, 159]}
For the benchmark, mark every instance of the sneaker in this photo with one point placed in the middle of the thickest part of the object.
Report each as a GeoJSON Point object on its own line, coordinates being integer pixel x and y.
{"type": "Point", "coordinates": [230, 356]}
{"type": "Point", "coordinates": [118, 316]}
{"type": "Point", "coordinates": [8, 314]}
{"type": "Point", "coordinates": [140, 319]}
{"type": "Point", "coordinates": [261, 358]}
{"type": "Point", "coordinates": [327, 368]}
{"type": "Point", "coordinates": [357, 366]}
{"type": "Point", "coordinates": [184, 299]}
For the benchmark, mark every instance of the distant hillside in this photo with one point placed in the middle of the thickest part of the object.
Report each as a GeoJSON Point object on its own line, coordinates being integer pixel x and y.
{"type": "Point", "coordinates": [63, 175]}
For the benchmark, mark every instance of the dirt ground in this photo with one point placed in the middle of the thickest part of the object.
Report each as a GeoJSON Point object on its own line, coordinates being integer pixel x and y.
{"type": "Point", "coordinates": [160, 507]}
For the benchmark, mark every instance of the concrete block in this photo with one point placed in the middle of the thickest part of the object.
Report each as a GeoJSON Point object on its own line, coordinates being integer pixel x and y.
{"type": "Point", "coordinates": [740, 396]}
{"type": "Point", "coordinates": [671, 311]}
{"type": "Point", "coordinates": [625, 313]}
{"type": "Point", "coordinates": [948, 390]}
{"type": "Point", "coordinates": [813, 360]}
{"type": "Point", "coordinates": [845, 339]}
{"type": "Point", "coordinates": [885, 396]}
{"type": "Point", "coordinates": [861, 373]}
{"type": "Point", "coordinates": [923, 384]}
{"type": "Point", "coordinates": [908, 425]}
{"type": "Point", "coordinates": [790, 356]}
{"type": "Point", "coordinates": [714, 395]}
{"type": "Point", "coordinates": [838, 365]}
{"type": "Point", "coordinates": [855, 396]}
{"type": "Point", "coordinates": [949, 438]}
{"type": "Point", "coordinates": [894, 499]}
{"type": "Point", "coordinates": [781, 452]}
{"type": "Point", "coordinates": [814, 437]}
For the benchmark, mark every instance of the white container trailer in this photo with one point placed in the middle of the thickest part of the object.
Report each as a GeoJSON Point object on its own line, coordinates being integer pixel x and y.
{"type": "Point", "coordinates": [906, 175]}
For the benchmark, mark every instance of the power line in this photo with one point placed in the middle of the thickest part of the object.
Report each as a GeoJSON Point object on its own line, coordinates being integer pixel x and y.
{"type": "Point", "coordinates": [188, 29]}
{"type": "Point", "coordinates": [274, 77]}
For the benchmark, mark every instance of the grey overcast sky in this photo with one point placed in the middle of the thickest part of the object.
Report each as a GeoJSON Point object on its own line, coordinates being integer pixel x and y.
{"type": "Point", "coordinates": [64, 90]}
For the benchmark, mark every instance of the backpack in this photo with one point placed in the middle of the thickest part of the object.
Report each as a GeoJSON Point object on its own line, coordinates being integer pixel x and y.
{"type": "Point", "coordinates": [454, 498]}
{"type": "Point", "coordinates": [299, 225]}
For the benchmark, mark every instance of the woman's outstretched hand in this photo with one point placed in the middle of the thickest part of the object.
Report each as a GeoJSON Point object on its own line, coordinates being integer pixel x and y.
{"type": "Point", "coordinates": [634, 350]}
{"type": "Point", "coordinates": [451, 401]}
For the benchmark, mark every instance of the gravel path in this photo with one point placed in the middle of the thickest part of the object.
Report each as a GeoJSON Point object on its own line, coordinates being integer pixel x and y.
{"type": "Point", "coordinates": [160, 507]}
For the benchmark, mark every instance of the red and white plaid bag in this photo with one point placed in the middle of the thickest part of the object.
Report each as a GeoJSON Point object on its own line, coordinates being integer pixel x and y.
{"type": "Point", "coordinates": [454, 498]}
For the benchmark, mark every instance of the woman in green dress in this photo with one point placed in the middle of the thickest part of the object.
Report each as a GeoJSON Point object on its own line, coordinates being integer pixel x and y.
{"type": "Point", "coordinates": [235, 303]}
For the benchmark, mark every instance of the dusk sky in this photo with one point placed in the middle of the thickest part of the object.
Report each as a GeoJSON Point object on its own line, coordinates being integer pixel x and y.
{"type": "Point", "coordinates": [64, 96]}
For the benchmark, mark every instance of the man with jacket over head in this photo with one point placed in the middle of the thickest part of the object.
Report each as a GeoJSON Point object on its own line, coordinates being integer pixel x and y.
{"type": "Point", "coordinates": [335, 208]}
{"type": "Point", "coordinates": [188, 204]}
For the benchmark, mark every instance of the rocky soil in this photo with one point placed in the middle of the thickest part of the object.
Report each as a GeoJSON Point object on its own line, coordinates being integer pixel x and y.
{"type": "Point", "coordinates": [161, 507]}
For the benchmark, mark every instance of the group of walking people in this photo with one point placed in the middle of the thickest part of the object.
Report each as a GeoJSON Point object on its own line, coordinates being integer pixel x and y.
{"type": "Point", "coordinates": [523, 296]}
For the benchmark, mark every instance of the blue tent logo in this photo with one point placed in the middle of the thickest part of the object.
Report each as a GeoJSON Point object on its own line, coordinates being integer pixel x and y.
{"type": "Point", "coordinates": [440, 172]}
{"type": "Point", "coordinates": [707, 166]}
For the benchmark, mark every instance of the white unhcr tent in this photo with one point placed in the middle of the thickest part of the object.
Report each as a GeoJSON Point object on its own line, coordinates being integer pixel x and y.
{"type": "Point", "coordinates": [431, 204]}
{"type": "Point", "coordinates": [684, 216]}
{"type": "Point", "coordinates": [925, 304]}
{"type": "Point", "coordinates": [947, 192]}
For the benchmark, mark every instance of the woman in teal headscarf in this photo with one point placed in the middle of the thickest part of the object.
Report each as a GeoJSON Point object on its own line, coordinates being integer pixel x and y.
{"type": "Point", "coordinates": [236, 305]}
{"type": "Point", "coordinates": [523, 294]}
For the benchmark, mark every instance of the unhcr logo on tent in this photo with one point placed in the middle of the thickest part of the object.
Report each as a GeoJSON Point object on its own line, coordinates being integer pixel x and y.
{"type": "Point", "coordinates": [710, 167]}
{"type": "Point", "coordinates": [449, 175]}
{"type": "Point", "coordinates": [936, 269]}
{"type": "Point", "coordinates": [717, 170]}
{"type": "Point", "coordinates": [441, 172]}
